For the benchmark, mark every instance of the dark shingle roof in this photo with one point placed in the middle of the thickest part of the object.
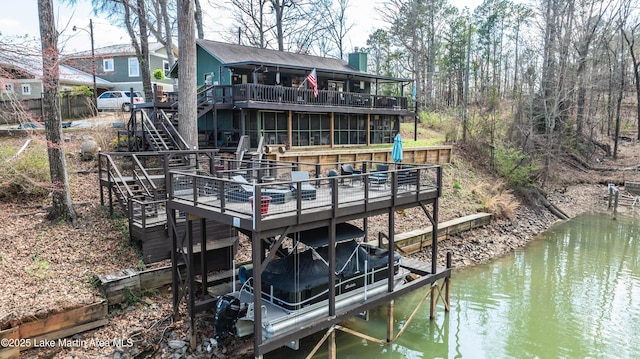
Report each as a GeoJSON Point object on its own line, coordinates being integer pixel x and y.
{"type": "Point", "coordinates": [230, 54]}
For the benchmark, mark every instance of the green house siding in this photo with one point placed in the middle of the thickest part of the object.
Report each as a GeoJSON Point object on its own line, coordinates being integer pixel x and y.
{"type": "Point", "coordinates": [209, 65]}
{"type": "Point", "coordinates": [155, 63]}
{"type": "Point", "coordinates": [120, 71]}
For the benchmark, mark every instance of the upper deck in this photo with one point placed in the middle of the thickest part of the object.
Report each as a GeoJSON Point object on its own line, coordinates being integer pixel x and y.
{"type": "Point", "coordinates": [230, 196]}
{"type": "Point", "coordinates": [274, 97]}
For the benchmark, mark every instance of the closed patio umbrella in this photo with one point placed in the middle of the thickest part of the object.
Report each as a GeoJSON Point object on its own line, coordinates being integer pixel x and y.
{"type": "Point", "coordinates": [396, 152]}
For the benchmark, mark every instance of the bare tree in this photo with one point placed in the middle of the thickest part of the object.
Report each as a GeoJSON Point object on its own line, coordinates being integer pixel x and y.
{"type": "Point", "coordinates": [198, 19]}
{"type": "Point", "coordinates": [62, 205]}
{"type": "Point", "coordinates": [630, 37]}
{"type": "Point", "coordinates": [187, 100]}
{"type": "Point", "coordinates": [337, 25]}
{"type": "Point", "coordinates": [285, 25]}
{"type": "Point", "coordinates": [130, 13]}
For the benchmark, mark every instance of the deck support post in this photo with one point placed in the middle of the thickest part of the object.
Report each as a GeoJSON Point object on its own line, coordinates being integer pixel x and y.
{"type": "Point", "coordinates": [332, 350]}
{"type": "Point", "coordinates": [391, 249]}
{"type": "Point", "coordinates": [447, 286]}
{"type": "Point", "coordinates": [390, 322]}
{"type": "Point", "coordinates": [192, 284]}
{"type": "Point", "coordinates": [175, 275]}
{"type": "Point", "coordinates": [256, 258]}
{"type": "Point", "coordinates": [332, 269]}
{"type": "Point", "coordinates": [434, 300]}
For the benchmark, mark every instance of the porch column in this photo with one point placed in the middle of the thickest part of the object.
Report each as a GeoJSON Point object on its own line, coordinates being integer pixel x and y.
{"type": "Point", "coordinates": [289, 128]}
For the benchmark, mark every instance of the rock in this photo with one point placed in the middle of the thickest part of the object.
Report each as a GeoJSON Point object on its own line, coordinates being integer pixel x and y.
{"type": "Point", "coordinates": [89, 149]}
{"type": "Point", "coordinates": [177, 344]}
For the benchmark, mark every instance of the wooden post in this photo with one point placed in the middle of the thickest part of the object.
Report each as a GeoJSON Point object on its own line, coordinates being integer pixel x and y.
{"type": "Point", "coordinates": [615, 204]}
{"type": "Point", "coordinates": [390, 322]}
{"type": "Point", "coordinates": [447, 286]}
{"type": "Point", "coordinates": [434, 302]}
{"type": "Point", "coordinates": [332, 345]}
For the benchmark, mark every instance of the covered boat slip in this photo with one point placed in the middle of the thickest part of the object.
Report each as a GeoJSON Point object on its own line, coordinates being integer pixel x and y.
{"type": "Point", "coordinates": [308, 215]}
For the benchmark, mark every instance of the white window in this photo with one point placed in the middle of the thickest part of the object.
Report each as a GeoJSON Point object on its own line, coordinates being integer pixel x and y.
{"type": "Point", "coordinates": [8, 87]}
{"type": "Point", "coordinates": [107, 65]}
{"type": "Point", "coordinates": [26, 89]}
{"type": "Point", "coordinates": [165, 67]}
{"type": "Point", "coordinates": [134, 69]}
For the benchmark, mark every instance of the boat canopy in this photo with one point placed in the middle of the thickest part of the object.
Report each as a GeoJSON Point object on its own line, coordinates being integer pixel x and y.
{"type": "Point", "coordinates": [319, 237]}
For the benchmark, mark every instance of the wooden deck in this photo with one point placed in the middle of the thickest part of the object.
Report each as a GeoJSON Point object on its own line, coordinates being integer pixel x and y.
{"type": "Point", "coordinates": [354, 197]}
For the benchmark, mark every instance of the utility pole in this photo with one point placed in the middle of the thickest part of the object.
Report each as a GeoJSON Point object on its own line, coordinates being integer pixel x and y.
{"type": "Point", "coordinates": [93, 62]}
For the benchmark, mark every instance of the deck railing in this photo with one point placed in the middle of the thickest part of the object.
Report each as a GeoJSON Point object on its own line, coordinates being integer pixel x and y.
{"type": "Point", "coordinates": [273, 194]}
{"type": "Point", "coordinates": [297, 96]}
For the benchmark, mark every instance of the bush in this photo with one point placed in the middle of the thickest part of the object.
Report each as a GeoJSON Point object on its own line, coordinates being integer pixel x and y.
{"type": "Point", "coordinates": [514, 165]}
{"type": "Point", "coordinates": [158, 74]}
{"type": "Point", "coordinates": [26, 175]}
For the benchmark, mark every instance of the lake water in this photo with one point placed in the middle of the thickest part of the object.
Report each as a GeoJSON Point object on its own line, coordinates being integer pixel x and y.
{"type": "Point", "coordinates": [573, 293]}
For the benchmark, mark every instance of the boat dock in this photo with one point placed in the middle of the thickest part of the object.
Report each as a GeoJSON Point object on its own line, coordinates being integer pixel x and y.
{"type": "Point", "coordinates": [270, 203]}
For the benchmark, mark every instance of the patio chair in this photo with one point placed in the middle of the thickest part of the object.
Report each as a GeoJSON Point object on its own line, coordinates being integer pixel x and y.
{"type": "Point", "coordinates": [348, 170]}
{"type": "Point", "coordinates": [243, 190]}
{"type": "Point", "coordinates": [332, 173]}
{"type": "Point", "coordinates": [378, 177]}
{"type": "Point", "coordinates": [407, 176]}
{"type": "Point", "coordinates": [307, 191]}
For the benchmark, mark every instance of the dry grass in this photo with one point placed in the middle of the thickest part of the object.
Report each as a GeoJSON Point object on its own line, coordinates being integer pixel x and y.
{"type": "Point", "coordinates": [497, 199]}
{"type": "Point", "coordinates": [47, 266]}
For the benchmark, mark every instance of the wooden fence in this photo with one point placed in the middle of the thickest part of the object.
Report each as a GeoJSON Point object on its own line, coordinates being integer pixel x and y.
{"type": "Point", "coordinates": [70, 107]}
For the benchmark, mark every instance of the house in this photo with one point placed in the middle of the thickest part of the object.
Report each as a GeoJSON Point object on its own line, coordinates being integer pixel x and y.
{"type": "Point", "coordinates": [119, 65]}
{"type": "Point", "coordinates": [22, 80]}
{"type": "Point", "coordinates": [262, 93]}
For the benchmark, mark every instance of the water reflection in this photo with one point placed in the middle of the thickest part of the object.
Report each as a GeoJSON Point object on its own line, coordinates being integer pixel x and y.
{"type": "Point", "coordinates": [573, 293]}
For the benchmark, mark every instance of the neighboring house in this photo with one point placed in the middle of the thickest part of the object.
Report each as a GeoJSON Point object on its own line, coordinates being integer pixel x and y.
{"type": "Point", "coordinates": [266, 93]}
{"type": "Point", "coordinates": [22, 79]}
{"type": "Point", "coordinates": [119, 65]}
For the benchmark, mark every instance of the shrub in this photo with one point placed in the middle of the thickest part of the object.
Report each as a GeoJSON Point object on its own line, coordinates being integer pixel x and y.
{"type": "Point", "coordinates": [26, 175]}
{"type": "Point", "coordinates": [496, 199]}
{"type": "Point", "coordinates": [514, 165]}
{"type": "Point", "coordinates": [158, 74]}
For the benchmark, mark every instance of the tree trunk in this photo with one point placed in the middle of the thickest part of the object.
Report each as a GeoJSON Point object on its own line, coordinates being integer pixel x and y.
{"type": "Point", "coordinates": [62, 205]}
{"type": "Point", "coordinates": [198, 18]}
{"type": "Point", "coordinates": [143, 58]}
{"type": "Point", "coordinates": [187, 101]}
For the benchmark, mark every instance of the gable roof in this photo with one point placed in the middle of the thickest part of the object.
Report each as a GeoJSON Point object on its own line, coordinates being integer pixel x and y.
{"type": "Point", "coordinates": [115, 50]}
{"type": "Point", "coordinates": [32, 66]}
{"type": "Point", "coordinates": [231, 55]}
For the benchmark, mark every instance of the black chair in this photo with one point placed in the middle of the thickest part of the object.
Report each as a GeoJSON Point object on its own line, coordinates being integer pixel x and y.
{"type": "Point", "coordinates": [407, 176]}
{"type": "Point", "coordinates": [332, 173]}
{"type": "Point", "coordinates": [378, 177]}
{"type": "Point", "coordinates": [348, 170]}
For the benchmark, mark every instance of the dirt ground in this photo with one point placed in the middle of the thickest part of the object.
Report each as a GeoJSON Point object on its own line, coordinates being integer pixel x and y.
{"type": "Point", "coordinates": [48, 266]}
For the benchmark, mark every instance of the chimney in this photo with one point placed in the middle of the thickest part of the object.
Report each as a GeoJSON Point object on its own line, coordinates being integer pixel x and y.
{"type": "Point", "coordinates": [358, 60]}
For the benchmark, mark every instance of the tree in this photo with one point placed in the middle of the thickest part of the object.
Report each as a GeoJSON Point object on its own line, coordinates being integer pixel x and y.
{"type": "Point", "coordinates": [187, 100]}
{"type": "Point", "coordinates": [130, 13]}
{"type": "Point", "coordinates": [337, 25]}
{"type": "Point", "coordinates": [62, 205]}
{"type": "Point", "coordinates": [284, 25]}
{"type": "Point", "coordinates": [630, 38]}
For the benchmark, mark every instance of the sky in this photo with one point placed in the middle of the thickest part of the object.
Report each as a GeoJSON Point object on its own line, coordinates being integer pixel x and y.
{"type": "Point", "coordinates": [22, 19]}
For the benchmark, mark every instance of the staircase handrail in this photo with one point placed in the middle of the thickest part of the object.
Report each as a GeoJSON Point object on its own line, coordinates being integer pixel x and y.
{"type": "Point", "coordinates": [113, 179]}
{"type": "Point", "coordinates": [172, 131]}
{"type": "Point", "coordinates": [149, 127]}
{"type": "Point", "coordinates": [243, 147]}
{"type": "Point", "coordinates": [260, 148]}
{"type": "Point", "coordinates": [146, 177]}
{"type": "Point", "coordinates": [143, 205]}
